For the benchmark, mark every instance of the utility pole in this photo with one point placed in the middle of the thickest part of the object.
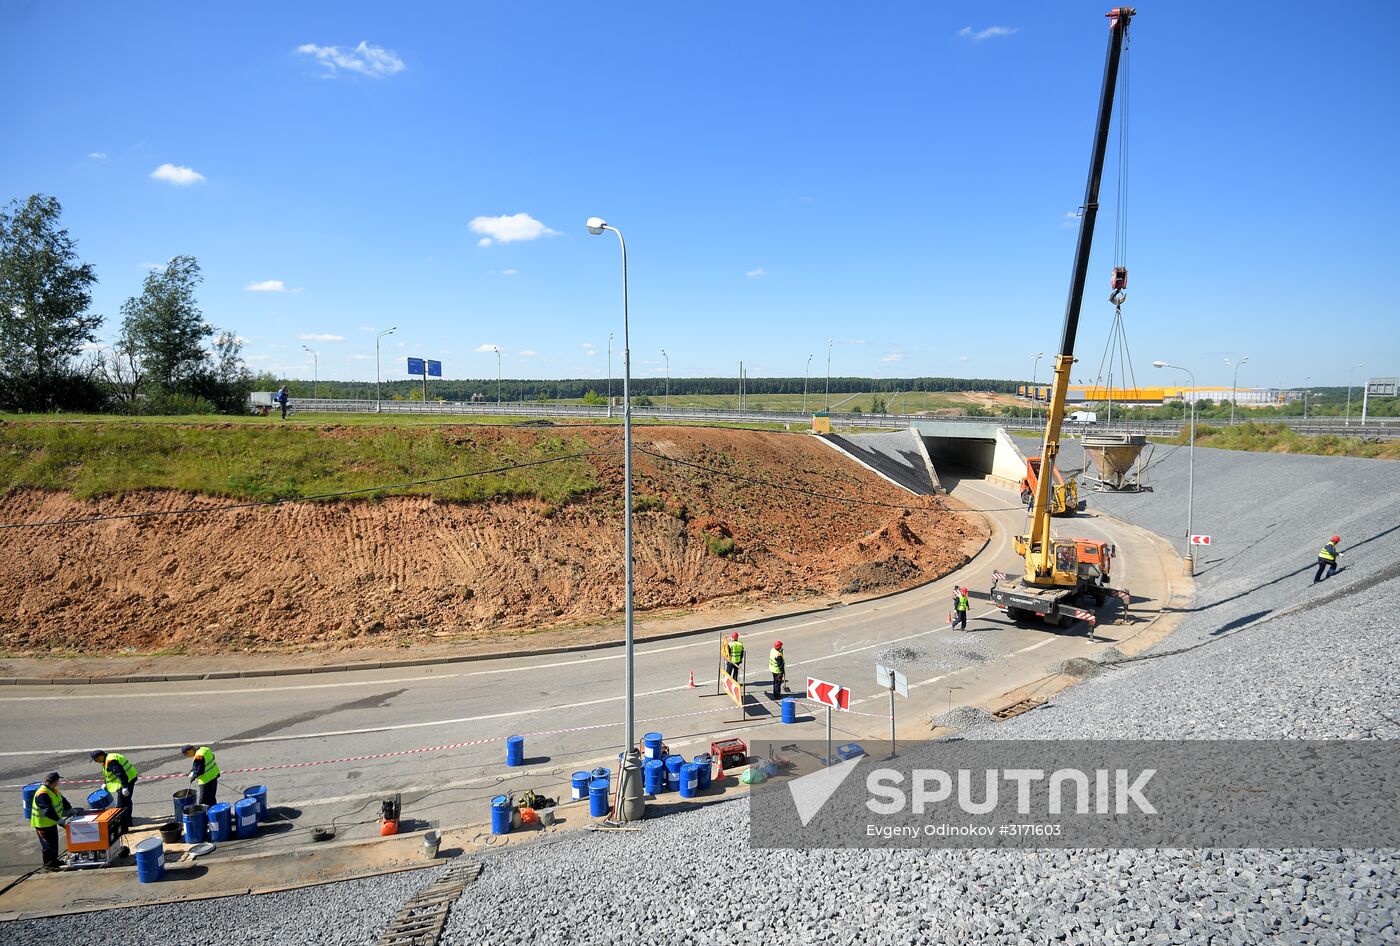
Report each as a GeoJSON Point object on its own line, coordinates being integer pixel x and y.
{"type": "Point", "coordinates": [315, 373]}
{"type": "Point", "coordinates": [1349, 371]}
{"type": "Point", "coordinates": [807, 373]}
{"type": "Point", "coordinates": [1234, 386]}
{"type": "Point", "coordinates": [828, 374]}
{"type": "Point", "coordinates": [610, 338]}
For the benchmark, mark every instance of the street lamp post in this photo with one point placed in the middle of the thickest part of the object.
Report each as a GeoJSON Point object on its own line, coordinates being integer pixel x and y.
{"type": "Point", "coordinates": [1307, 386]}
{"type": "Point", "coordinates": [666, 403]}
{"type": "Point", "coordinates": [632, 803]}
{"type": "Point", "coordinates": [807, 373]}
{"type": "Point", "coordinates": [1349, 371]}
{"type": "Point", "coordinates": [315, 373]}
{"type": "Point", "coordinates": [828, 374]}
{"type": "Point", "coordinates": [1035, 370]}
{"type": "Point", "coordinates": [387, 331]}
{"type": "Point", "coordinates": [1191, 466]}
{"type": "Point", "coordinates": [497, 350]}
{"type": "Point", "coordinates": [610, 338]}
{"type": "Point", "coordinates": [1234, 385]}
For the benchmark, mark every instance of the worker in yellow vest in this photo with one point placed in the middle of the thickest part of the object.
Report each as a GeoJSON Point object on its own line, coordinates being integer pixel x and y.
{"type": "Point", "coordinates": [777, 666]}
{"type": "Point", "coordinates": [47, 809]}
{"type": "Point", "coordinates": [960, 607]}
{"type": "Point", "coordinates": [119, 778]}
{"type": "Point", "coordinates": [1327, 559]}
{"type": "Point", "coordinates": [733, 655]}
{"type": "Point", "coordinates": [204, 774]}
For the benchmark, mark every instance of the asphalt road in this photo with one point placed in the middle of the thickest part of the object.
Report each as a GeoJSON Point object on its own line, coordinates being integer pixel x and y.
{"type": "Point", "coordinates": [332, 745]}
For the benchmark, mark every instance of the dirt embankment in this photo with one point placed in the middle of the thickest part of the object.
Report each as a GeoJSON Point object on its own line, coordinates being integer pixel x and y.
{"type": "Point", "coordinates": [752, 519]}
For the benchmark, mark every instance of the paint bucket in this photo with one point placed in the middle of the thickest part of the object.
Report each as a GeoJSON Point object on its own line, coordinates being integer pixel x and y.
{"type": "Point", "coordinates": [789, 710]}
{"type": "Point", "coordinates": [654, 777]}
{"type": "Point", "coordinates": [245, 817]}
{"type": "Point", "coordinates": [579, 785]}
{"type": "Point", "coordinates": [259, 794]}
{"type": "Point", "coordinates": [220, 822]}
{"type": "Point", "coordinates": [196, 821]}
{"type": "Point", "coordinates": [515, 750]}
{"type": "Point", "coordinates": [673, 770]}
{"type": "Point", "coordinates": [431, 842]}
{"type": "Point", "coordinates": [170, 832]}
{"type": "Point", "coordinates": [501, 811]}
{"type": "Point", "coordinates": [703, 767]}
{"type": "Point", "coordinates": [598, 798]}
{"type": "Point", "coordinates": [150, 861]}
{"type": "Point", "coordinates": [601, 772]}
{"type": "Point", "coordinates": [546, 817]}
{"type": "Point", "coordinates": [651, 745]}
{"type": "Point", "coordinates": [183, 799]}
{"type": "Point", "coordinates": [28, 793]}
{"type": "Point", "coordinates": [690, 780]}
{"type": "Point", "coordinates": [99, 799]}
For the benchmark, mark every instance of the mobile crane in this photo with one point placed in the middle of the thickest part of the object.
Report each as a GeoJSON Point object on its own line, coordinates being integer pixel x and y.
{"type": "Point", "coordinates": [1062, 573]}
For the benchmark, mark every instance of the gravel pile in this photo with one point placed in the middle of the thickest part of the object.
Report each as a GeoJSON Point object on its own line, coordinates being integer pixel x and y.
{"type": "Point", "coordinates": [952, 653]}
{"type": "Point", "coordinates": [963, 717]}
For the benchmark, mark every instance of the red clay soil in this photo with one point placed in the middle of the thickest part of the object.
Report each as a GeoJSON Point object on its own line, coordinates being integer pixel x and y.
{"type": "Point", "coordinates": [409, 570]}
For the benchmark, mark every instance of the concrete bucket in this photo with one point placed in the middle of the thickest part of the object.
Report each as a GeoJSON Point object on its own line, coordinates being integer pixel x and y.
{"type": "Point", "coordinates": [1113, 460]}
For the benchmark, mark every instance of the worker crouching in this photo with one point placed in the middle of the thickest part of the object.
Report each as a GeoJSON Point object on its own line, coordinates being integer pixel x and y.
{"type": "Point", "coordinates": [204, 773]}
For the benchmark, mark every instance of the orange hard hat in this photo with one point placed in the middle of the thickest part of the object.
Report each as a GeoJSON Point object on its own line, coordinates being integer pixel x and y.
{"type": "Point", "coordinates": [1336, 538]}
{"type": "Point", "coordinates": [734, 636]}
{"type": "Point", "coordinates": [778, 644]}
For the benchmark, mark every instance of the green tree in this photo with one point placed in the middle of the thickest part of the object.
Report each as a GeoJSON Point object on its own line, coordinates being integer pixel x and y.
{"type": "Point", "coordinates": [594, 398]}
{"type": "Point", "coordinates": [165, 326]}
{"type": "Point", "coordinates": [44, 297]}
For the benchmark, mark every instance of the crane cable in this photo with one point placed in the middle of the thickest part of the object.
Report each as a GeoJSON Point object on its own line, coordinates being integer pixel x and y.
{"type": "Point", "coordinates": [1116, 353]}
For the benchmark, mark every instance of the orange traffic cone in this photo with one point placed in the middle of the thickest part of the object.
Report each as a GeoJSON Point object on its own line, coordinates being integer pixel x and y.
{"type": "Point", "coordinates": [691, 684]}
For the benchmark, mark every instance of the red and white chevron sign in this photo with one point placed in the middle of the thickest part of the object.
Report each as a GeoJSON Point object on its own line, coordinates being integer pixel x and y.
{"type": "Point", "coordinates": [1200, 540]}
{"type": "Point", "coordinates": [1083, 615]}
{"type": "Point", "coordinates": [828, 694]}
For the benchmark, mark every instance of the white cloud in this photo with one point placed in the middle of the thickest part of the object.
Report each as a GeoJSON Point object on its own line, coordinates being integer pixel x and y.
{"type": "Point", "coordinates": [527, 353]}
{"type": "Point", "coordinates": [755, 273]}
{"type": "Point", "coordinates": [97, 155]}
{"type": "Point", "coordinates": [367, 328]}
{"type": "Point", "coordinates": [373, 61]}
{"type": "Point", "coordinates": [320, 337]}
{"type": "Point", "coordinates": [1069, 220]}
{"type": "Point", "coordinates": [893, 356]}
{"type": "Point", "coordinates": [590, 353]}
{"type": "Point", "coordinates": [259, 358]}
{"type": "Point", "coordinates": [268, 285]}
{"type": "Point", "coordinates": [484, 347]}
{"type": "Point", "coordinates": [178, 175]}
{"type": "Point", "coordinates": [964, 358]}
{"type": "Point", "coordinates": [508, 228]}
{"type": "Point", "coordinates": [360, 357]}
{"type": "Point", "coordinates": [509, 272]}
{"type": "Point", "coordinates": [586, 345]}
{"type": "Point", "coordinates": [92, 346]}
{"type": "Point", "coordinates": [991, 32]}
{"type": "Point", "coordinates": [153, 267]}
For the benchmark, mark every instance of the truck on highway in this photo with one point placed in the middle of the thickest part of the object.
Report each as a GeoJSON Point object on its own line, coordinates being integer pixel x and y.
{"type": "Point", "coordinates": [1083, 417]}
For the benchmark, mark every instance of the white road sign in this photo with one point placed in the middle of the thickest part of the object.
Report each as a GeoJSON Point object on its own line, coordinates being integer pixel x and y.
{"type": "Point", "coordinates": [892, 680]}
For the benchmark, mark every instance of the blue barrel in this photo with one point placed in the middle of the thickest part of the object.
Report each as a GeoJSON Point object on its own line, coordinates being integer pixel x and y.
{"type": "Point", "coordinates": [28, 793]}
{"type": "Point", "coordinates": [704, 766]}
{"type": "Point", "coordinates": [220, 822]}
{"type": "Point", "coordinates": [654, 776]}
{"type": "Point", "coordinates": [673, 770]}
{"type": "Point", "coordinates": [99, 799]}
{"type": "Point", "coordinates": [245, 817]}
{"type": "Point", "coordinates": [183, 799]}
{"type": "Point", "coordinates": [259, 794]}
{"type": "Point", "coordinates": [690, 780]}
{"type": "Point", "coordinates": [789, 710]}
{"type": "Point", "coordinates": [515, 750]}
{"type": "Point", "coordinates": [195, 819]}
{"type": "Point", "coordinates": [602, 772]}
{"type": "Point", "coordinates": [579, 785]}
{"type": "Point", "coordinates": [598, 798]}
{"type": "Point", "coordinates": [500, 815]}
{"type": "Point", "coordinates": [150, 861]}
{"type": "Point", "coordinates": [651, 745]}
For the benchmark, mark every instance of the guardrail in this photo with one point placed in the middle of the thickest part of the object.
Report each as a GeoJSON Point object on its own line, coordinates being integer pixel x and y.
{"type": "Point", "coordinates": [1387, 428]}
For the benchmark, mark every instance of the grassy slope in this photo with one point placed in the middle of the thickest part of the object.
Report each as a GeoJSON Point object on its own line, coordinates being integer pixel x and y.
{"type": "Point", "coordinates": [1277, 438]}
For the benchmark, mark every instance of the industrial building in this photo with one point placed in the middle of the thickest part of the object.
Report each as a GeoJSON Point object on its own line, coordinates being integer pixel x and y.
{"type": "Point", "coordinates": [1156, 396]}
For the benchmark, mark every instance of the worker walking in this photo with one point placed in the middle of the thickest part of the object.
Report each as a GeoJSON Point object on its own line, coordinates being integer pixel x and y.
{"type": "Point", "coordinates": [204, 773]}
{"type": "Point", "coordinates": [119, 778]}
{"type": "Point", "coordinates": [777, 666]}
{"type": "Point", "coordinates": [734, 655]}
{"type": "Point", "coordinates": [47, 809]}
{"type": "Point", "coordinates": [960, 607]}
{"type": "Point", "coordinates": [1327, 559]}
{"type": "Point", "coordinates": [281, 398]}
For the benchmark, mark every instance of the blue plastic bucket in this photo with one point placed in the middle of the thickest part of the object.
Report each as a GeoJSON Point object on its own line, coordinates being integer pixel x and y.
{"type": "Point", "coordinates": [500, 815]}
{"type": "Point", "coordinates": [789, 710]}
{"type": "Point", "coordinates": [245, 817]}
{"type": "Point", "coordinates": [579, 785]}
{"type": "Point", "coordinates": [28, 793]}
{"type": "Point", "coordinates": [704, 766]}
{"type": "Point", "coordinates": [651, 745]}
{"type": "Point", "coordinates": [259, 794]}
{"type": "Point", "coordinates": [690, 780]}
{"type": "Point", "coordinates": [220, 822]}
{"type": "Point", "coordinates": [195, 819]}
{"type": "Point", "coordinates": [150, 861]}
{"type": "Point", "coordinates": [99, 799]}
{"type": "Point", "coordinates": [654, 777]}
{"type": "Point", "coordinates": [515, 750]}
{"type": "Point", "coordinates": [602, 772]}
{"type": "Point", "coordinates": [183, 799]}
{"type": "Point", "coordinates": [673, 770]}
{"type": "Point", "coordinates": [598, 798]}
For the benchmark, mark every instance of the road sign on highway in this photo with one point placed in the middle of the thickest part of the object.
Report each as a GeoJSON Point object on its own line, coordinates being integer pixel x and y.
{"type": "Point", "coordinates": [892, 680]}
{"type": "Point", "coordinates": [415, 366]}
{"type": "Point", "coordinates": [1200, 540]}
{"type": "Point", "coordinates": [828, 694]}
{"type": "Point", "coordinates": [434, 369]}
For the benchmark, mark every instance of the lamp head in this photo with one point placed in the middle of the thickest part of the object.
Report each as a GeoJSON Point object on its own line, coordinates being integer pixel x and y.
{"type": "Point", "coordinates": [1160, 364]}
{"type": "Point", "coordinates": [595, 225]}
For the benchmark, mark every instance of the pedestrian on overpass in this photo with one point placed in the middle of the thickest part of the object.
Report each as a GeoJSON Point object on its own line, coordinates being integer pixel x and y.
{"type": "Point", "coordinates": [777, 666]}
{"type": "Point", "coordinates": [46, 810]}
{"type": "Point", "coordinates": [960, 607]}
{"type": "Point", "coordinates": [1327, 559]}
{"type": "Point", "coordinates": [204, 773]}
{"type": "Point", "coordinates": [734, 655]}
{"type": "Point", "coordinates": [119, 778]}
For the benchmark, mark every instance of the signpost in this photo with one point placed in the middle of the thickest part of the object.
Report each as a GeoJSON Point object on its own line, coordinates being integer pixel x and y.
{"type": "Point", "coordinates": [1200, 540]}
{"type": "Point", "coordinates": [895, 682]}
{"type": "Point", "coordinates": [1377, 387]}
{"type": "Point", "coordinates": [833, 696]}
{"type": "Point", "coordinates": [427, 368]}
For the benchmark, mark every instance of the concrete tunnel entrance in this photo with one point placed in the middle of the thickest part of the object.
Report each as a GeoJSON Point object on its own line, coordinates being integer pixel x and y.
{"type": "Point", "coordinates": [960, 449]}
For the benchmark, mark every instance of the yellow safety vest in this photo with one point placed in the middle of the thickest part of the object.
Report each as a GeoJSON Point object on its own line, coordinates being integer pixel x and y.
{"type": "Point", "coordinates": [775, 661]}
{"type": "Point", "coordinates": [111, 784]}
{"type": "Point", "coordinates": [211, 768]}
{"type": "Point", "coordinates": [1327, 554]}
{"type": "Point", "coordinates": [37, 818]}
{"type": "Point", "coordinates": [736, 652]}
{"type": "Point", "coordinates": [962, 602]}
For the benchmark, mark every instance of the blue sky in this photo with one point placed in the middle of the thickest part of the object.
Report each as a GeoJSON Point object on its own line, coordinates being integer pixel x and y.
{"type": "Point", "coordinates": [894, 176]}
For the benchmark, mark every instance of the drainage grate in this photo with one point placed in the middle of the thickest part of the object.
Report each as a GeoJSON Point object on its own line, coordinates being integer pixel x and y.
{"type": "Point", "coordinates": [422, 918]}
{"type": "Point", "coordinates": [1016, 709]}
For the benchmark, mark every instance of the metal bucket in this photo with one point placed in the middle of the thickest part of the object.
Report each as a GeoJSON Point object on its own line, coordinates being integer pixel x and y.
{"type": "Point", "coordinates": [431, 841]}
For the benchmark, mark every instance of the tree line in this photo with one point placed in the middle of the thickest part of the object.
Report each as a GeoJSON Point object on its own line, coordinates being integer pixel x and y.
{"type": "Point", "coordinates": [168, 359]}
